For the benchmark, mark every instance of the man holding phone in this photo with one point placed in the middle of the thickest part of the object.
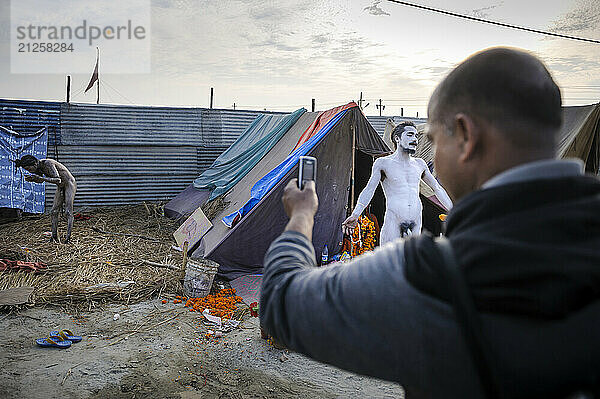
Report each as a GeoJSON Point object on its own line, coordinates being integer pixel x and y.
{"type": "Point", "coordinates": [525, 231]}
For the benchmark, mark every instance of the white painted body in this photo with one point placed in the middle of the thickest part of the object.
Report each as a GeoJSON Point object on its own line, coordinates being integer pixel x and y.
{"type": "Point", "coordinates": [399, 175]}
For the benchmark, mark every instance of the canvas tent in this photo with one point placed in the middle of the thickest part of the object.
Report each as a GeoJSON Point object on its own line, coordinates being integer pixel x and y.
{"type": "Point", "coordinates": [328, 137]}
{"type": "Point", "coordinates": [250, 147]}
{"type": "Point", "coordinates": [579, 137]}
{"type": "Point", "coordinates": [240, 249]}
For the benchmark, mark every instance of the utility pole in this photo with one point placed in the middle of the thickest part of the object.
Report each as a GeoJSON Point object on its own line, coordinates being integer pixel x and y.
{"type": "Point", "coordinates": [234, 106]}
{"type": "Point", "coordinates": [360, 101]}
{"type": "Point", "coordinates": [98, 80]}
{"type": "Point", "coordinates": [68, 89]}
{"type": "Point", "coordinates": [401, 111]}
{"type": "Point", "coordinates": [417, 114]}
{"type": "Point", "coordinates": [380, 106]}
{"type": "Point", "coordinates": [313, 105]}
{"type": "Point", "coordinates": [212, 92]}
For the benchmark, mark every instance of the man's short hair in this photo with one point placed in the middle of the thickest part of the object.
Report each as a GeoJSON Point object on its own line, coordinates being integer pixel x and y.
{"type": "Point", "coordinates": [26, 160]}
{"type": "Point", "coordinates": [510, 89]}
{"type": "Point", "coordinates": [399, 129]}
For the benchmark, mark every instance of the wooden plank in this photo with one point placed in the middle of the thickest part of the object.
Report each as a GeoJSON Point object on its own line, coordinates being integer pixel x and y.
{"type": "Point", "coordinates": [15, 296]}
{"type": "Point", "coordinates": [193, 229]}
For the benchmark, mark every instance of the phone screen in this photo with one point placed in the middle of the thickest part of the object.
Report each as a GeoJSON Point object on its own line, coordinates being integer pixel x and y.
{"type": "Point", "coordinates": [307, 170]}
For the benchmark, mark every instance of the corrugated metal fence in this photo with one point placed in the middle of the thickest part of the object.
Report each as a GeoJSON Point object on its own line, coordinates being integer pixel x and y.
{"type": "Point", "coordinates": [127, 154]}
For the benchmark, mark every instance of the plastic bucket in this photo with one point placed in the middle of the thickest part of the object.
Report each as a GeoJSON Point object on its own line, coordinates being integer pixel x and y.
{"type": "Point", "coordinates": [199, 276]}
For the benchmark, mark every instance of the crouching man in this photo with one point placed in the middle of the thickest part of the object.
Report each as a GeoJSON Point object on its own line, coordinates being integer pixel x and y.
{"type": "Point", "coordinates": [51, 171]}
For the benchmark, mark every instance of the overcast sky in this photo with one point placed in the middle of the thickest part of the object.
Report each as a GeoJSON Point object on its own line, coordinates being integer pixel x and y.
{"type": "Point", "coordinates": [279, 54]}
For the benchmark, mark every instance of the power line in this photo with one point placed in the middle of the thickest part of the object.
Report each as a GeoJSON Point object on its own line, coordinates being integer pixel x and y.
{"type": "Point", "coordinates": [104, 82]}
{"type": "Point", "coordinates": [106, 93]}
{"type": "Point", "coordinates": [485, 21]}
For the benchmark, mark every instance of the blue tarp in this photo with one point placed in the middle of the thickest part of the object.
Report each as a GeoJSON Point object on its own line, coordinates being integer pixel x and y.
{"type": "Point", "coordinates": [15, 192]}
{"type": "Point", "coordinates": [257, 140]}
{"type": "Point", "coordinates": [267, 182]}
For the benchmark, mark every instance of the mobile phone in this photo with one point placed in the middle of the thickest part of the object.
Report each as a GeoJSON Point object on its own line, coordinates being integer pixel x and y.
{"type": "Point", "coordinates": [307, 170]}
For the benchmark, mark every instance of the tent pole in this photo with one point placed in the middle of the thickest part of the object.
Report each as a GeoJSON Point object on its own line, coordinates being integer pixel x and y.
{"type": "Point", "coordinates": [351, 208]}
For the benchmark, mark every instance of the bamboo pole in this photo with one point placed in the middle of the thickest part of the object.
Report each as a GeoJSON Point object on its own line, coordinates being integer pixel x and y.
{"type": "Point", "coordinates": [351, 208]}
{"type": "Point", "coordinates": [185, 256]}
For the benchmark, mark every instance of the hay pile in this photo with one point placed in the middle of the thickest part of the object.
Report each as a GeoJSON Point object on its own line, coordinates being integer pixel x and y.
{"type": "Point", "coordinates": [214, 207]}
{"type": "Point", "coordinates": [112, 247]}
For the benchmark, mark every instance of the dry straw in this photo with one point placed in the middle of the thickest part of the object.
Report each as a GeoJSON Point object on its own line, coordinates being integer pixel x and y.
{"type": "Point", "coordinates": [114, 246]}
{"type": "Point", "coordinates": [214, 207]}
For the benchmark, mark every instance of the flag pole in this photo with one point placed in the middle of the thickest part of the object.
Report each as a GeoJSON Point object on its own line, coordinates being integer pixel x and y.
{"type": "Point", "coordinates": [98, 80]}
{"type": "Point", "coordinates": [94, 78]}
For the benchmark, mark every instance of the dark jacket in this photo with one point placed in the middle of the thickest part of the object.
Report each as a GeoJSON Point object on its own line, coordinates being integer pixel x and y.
{"type": "Point", "coordinates": [365, 316]}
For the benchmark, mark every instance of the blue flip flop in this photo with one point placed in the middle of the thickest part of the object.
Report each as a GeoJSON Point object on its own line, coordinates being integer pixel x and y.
{"type": "Point", "coordinates": [53, 341]}
{"type": "Point", "coordinates": [67, 335]}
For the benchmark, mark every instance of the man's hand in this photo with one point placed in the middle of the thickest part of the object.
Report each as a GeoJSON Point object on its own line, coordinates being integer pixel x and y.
{"type": "Point", "coordinates": [349, 225]}
{"type": "Point", "coordinates": [300, 206]}
{"type": "Point", "coordinates": [34, 178]}
{"type": "Point", "coordinates": [296, 201]}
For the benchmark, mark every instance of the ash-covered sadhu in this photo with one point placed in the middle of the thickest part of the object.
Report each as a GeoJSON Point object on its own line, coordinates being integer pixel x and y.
{"type": "Point", "coordinates": [51, 171]}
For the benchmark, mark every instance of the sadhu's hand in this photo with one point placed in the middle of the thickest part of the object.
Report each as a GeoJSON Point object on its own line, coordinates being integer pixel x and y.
{"type": "Point", "coordinates": [296, 201]}
{"type": "Point", "coordinates": [349, 224]}
{"type": "Point", "coordinates": [34, 178]}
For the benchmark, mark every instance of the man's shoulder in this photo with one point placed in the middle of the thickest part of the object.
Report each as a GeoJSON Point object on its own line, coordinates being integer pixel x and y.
{"type": "Point", "coordinates": [419, 161]}
{"type": "Point", "coordinates": [382, 161]}
{"type": "Point", "coordinates": [46, 163]}
{"type": "Point", "coordinates": [52, 163]}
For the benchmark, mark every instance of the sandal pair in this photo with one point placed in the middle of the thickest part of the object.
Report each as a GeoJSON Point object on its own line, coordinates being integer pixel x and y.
{"type": "Point", "coordinates": [59, 339]}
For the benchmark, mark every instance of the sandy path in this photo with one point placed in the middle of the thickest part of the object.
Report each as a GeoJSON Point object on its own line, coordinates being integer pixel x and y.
{"type": "Point", "coordinates": [169, 358]}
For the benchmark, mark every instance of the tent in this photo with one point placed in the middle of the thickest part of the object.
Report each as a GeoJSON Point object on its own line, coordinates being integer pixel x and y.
{"type": "Point", "coordinates": [579, 137]}
{"type": "Point", "coordinates": [250, 147]}
{"type": "Point", "coordinates": [240, 249]}
{"type": "Point", "coordinates": [256, 197]}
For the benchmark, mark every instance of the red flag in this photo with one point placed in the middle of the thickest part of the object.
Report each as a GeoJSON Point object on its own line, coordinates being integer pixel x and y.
{"type": "Point", "coordinates": [94, 76]}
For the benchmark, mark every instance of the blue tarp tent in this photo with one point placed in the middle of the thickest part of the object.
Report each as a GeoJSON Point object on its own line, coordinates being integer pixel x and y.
{"type": "Point", "coordinates": [258, 139]}
{"type": "Point", "coordinates": [267, 182]}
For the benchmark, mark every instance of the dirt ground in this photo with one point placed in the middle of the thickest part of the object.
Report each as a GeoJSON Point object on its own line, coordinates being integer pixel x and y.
{"type": "Point", "coordinates": [156, 350]}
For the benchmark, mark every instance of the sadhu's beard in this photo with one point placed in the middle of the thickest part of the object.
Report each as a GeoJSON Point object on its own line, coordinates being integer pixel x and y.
{"type": "Point", "coordinates": [410, 151]}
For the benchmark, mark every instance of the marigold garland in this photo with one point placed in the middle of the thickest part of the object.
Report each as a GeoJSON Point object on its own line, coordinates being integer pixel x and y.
{"type": "Point", "coordinates": [222, 304]}
{"type": "Point", "coordinates": [364, 236]}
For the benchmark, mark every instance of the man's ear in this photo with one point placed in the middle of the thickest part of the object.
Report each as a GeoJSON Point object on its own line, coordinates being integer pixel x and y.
{"type": "Point", "coordinates": [468, 136]}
